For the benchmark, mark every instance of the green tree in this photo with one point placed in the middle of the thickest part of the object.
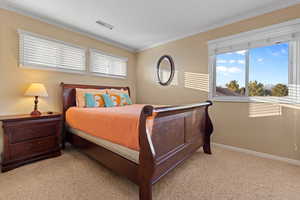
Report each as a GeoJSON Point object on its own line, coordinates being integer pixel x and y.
{"type": "Point", "coordinates": [233, 86]}
{"type": "Point", "coordinates": [256, 89]}
{"type": "Point", "coordinates": [280, 90]}
{"type": "Point", "coordinates": [268, 92]}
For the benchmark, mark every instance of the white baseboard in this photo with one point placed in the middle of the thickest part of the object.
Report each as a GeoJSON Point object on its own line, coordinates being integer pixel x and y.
{"type": "Point", "coordinates": [259, 154]}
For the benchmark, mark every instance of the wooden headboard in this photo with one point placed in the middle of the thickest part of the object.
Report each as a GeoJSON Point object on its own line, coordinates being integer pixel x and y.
{"type": "Point", "coordinates": [69, 93]}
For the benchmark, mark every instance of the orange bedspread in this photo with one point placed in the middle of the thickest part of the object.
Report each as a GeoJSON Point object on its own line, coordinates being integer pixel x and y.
{"type": "Point", "coordinates": [117, 124]}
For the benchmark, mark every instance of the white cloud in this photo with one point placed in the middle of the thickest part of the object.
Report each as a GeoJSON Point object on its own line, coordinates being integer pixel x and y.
{"type": "Point", "coordinates": [234, 70]}
{"type": "Point", "coordinates": [221, 68]}
{"type": "Point", "coordinates": [242, 52]}
{"type": "Point", "coordinates": [275, 53]}
{"type": "Point", "coordinates": [228, 69]}
{"type": "Point", "coordinates": [221, 61]}
{"type": "Point", "coordinates": [231, 61]}
{"type": "Point", "coordinates": [283, 51]}
{"type": "Point", "coordinates": [260, 59]}
{"type": "Point", "coordinates": [241, 61]}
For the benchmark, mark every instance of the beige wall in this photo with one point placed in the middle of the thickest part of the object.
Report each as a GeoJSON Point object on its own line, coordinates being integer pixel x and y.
{"type": "Point", "coordinates": [235, 123]}
{"type": "Point", "coordinates": [15, 80]}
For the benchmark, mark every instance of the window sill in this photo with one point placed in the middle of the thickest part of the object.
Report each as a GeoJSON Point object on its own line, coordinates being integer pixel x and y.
{"type": "Point", "coordinates": [107, 75]}
{"type": "Point", "coordinates": [37, 67]}
{"type": "Point", "coordinates": [275, 100]}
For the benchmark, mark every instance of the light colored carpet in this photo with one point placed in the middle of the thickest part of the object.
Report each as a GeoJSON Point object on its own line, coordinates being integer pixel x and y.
{"type": "Point", "coordinates": [225, 175]}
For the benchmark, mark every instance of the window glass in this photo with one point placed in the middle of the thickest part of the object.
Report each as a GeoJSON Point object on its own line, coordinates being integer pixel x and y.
{"type": "Point", "coordinates": [268, 70]}
{"type": "Point", "coordinates": [231, 73]}
{"type": "Point", "coordinates": [107, 65]}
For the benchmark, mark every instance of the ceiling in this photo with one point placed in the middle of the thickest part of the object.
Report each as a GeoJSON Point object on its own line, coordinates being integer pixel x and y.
{"type": "Point", "coordinates": [141, 24]}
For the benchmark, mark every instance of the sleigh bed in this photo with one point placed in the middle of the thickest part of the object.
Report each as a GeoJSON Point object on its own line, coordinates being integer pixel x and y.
{"type": "Point", "coordinates": [176, 133]}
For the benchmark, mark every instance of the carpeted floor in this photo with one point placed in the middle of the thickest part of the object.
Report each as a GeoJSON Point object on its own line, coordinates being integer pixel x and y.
{"type": "Point", "coordinates": [225, 175]}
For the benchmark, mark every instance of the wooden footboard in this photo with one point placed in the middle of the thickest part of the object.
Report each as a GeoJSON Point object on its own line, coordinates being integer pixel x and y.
{"type": "Point", "coordinates": [177, 132]}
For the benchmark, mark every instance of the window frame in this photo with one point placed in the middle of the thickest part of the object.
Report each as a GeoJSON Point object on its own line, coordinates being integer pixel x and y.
{"type": "Point", "coordinates": [287, 32]}
{"type": "Point", "coordinates": [87, 54]}
{"type": "Point", "coordinates": [24, 65]}
{"type": "Point", "coordinates": [246, 98]}
{"type": "Point", "coordinates": [90, 67]}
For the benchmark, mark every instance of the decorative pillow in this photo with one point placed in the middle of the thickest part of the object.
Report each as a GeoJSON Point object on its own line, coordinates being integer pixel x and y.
{"type": "Point", "coordinates": [125, 99]}
{"type": "Point", "coordinates": [89, 100]}
{"type": "Point", "coordinates": [108, 101]}
{"type": "Point", "coordinates": [99, 101]}
{"type": "Point", "coordinates": [80, 95]}
{"type": "Point", "coordinates": [116, 91]}
{"type": "Point", "coordinates": [116, 99]}
{"type": "Point", "coordinates": [94, 100]}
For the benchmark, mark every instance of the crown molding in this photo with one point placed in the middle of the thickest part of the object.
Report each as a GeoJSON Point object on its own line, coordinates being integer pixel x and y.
{"type": "Point", "coordinates": [3, 5]}
{"type": "Point", "coordinates": [257, 12]}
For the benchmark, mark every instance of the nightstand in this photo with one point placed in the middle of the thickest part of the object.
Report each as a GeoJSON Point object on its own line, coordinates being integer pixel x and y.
{"type": "Point", "coordinates": [30, 138]}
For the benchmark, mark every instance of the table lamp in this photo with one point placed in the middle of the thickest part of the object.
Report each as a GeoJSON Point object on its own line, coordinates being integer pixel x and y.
{"type": "Point", "coordinates": [36, 90]}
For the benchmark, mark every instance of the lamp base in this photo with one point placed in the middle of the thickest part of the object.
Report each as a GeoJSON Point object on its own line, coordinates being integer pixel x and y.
{"type": "Point", "coordinates": [35, 113]}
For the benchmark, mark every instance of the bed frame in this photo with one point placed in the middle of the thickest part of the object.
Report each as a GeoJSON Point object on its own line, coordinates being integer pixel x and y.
{"type": "Point", "coordinates": [178, 131]}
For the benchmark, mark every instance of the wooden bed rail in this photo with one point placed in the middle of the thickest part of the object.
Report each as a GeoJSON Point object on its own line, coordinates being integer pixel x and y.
{"type": "Point", "coordinates": [183, 107]}
{"type": "Point", "coordinates": [179, 109]}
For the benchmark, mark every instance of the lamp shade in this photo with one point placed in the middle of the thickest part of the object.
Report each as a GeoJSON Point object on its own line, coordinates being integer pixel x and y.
{"type": "Point", "coordinates": [36, 89]}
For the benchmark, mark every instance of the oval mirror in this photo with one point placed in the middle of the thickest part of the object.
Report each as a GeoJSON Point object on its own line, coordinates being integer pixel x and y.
{"type": "Point", "coordinates": [165, 70]}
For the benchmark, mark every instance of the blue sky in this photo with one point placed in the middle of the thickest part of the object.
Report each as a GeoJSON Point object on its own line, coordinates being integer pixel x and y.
{"type": "Point", "coordinates": [268, 65]}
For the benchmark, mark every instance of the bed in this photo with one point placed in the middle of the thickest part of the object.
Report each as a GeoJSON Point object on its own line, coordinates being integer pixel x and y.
{"type": "Point", "coordinates": [176, 133]}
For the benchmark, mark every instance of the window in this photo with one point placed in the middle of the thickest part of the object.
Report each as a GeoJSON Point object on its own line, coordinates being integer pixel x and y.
{"type": "Point", "coordinates": [231, 74]}
{"type": "Point", "coordinates": [269, 70]}
{"type": "Point", "coordinates": [44, 53]}
{"type": "Point", "coordinates": [107, 65]}
{"type": "Point", "coordinates": [261, 65]}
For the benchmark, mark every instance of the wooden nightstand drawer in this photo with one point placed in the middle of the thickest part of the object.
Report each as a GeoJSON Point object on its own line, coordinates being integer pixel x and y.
{"type": "Point", "coordinates": [31, 130]}
{"type": "Point", "coordinates": [29, 138]}
{"type": "Point", "coordinates": [28, 149]}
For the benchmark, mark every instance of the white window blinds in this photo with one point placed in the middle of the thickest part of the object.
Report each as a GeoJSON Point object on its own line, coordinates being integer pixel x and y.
{"type": "Point", "coordinates": [108, 65]}
{"type": "Point", "coordinates": [268, 36]}
{"type": "Point", "coordinates": [41, 52]}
